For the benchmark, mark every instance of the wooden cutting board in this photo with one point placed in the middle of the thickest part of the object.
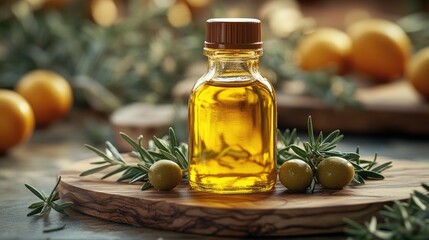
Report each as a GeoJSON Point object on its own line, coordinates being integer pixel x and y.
{"type": "Point", "coordinates": [276, 213]}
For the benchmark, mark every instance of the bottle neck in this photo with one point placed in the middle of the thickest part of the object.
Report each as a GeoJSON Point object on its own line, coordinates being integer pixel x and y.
{"type": "Point", "coordinates": [233, 65]}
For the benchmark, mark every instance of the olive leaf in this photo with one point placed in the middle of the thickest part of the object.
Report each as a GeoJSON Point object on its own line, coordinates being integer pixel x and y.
{"type": "Point", "coordinates": [47, 202]}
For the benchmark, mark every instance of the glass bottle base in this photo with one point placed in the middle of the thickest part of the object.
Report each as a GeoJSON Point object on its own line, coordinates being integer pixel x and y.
{"type": "Point", "coordinates": [213, 188]}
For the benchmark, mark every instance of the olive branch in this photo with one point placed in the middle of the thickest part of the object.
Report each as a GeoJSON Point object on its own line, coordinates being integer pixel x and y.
{"type": "Point", "coordinates": [168, 148]}
{"type": "Point", "coordinates": [317, 149]}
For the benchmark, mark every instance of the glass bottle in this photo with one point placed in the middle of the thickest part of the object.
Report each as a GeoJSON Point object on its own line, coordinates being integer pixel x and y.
{"type": "Point", "coordinates": [232, 113]}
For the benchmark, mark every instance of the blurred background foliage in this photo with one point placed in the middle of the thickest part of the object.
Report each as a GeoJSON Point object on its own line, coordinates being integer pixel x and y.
{"type": "Point", "coordinates": [137, 58]}
{"type": "Point", "coordinates": [116, 52]}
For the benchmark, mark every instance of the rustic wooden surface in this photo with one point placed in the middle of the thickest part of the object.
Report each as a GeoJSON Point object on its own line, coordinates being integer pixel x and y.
{"type": "Point", "coordinates": [393, 107]}
{"type": "Point", "coordinates": [277, 213]}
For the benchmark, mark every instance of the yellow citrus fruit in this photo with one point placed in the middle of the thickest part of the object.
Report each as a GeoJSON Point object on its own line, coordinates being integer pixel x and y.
{"type": "Point", "coordinates": [418, 72]}
{"type": "Point", "coordinates": [164, 175]}
{"type": "Point", "coordinates": [324, 48]}
{"type": "Point", "coordinates": [104, 12]}
{"type": "Point", "coordinates": [380, 49]}
{"type": "Point", "coordinates": [49, 95]}
{"type": "Point", "coordinates": [295, 175]}
{"type": "Point", "coordinates": [16, 120]}
{"type": "Point", "coordinates": [335, 172]}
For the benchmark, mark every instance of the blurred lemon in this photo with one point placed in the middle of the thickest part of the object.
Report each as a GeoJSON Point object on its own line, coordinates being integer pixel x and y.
{"type": "Point", "coordinates": [16, 120]}
{"type": "Point", "coordinates": [418, 72]}
{"type": "Point", "coordinates": [104, 12]}
{"type": "Point", "coordinates": [179, 15]}
{"type": "Point", "coordinates": [380, 49]}
{"type": "Point", "coordinates": [49, 95]}
{"type": "Point", "coordinates": [324, 48]}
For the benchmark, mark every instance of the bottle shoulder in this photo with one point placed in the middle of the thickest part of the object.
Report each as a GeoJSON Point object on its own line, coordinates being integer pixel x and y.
{"type": "Point", "coordinates": [254, 85]}
{"type": "Point", "coordinates": [242, 75]}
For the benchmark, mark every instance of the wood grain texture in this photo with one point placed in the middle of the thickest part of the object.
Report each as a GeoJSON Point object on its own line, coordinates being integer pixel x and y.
{"type": "Point", "coordinates": [276, 213]}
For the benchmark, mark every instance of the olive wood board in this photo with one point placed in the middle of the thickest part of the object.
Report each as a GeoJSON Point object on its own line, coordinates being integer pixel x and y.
{"type": "Point", "coordinates": [275, 213]}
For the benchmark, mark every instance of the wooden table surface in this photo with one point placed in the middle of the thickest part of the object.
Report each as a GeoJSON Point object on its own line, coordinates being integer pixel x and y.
{"type": "Point", "coordinates": [39, 161]}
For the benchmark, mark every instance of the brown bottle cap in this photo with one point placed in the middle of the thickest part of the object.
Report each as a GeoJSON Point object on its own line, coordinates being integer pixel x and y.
{"type": "Point", "coordinates": [233, 33]}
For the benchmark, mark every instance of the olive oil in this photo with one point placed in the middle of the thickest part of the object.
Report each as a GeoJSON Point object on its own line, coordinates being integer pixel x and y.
{"type": "Point", "coordinates": [232, 137]}
{"type": "Point", "coordinates": [232, 114]}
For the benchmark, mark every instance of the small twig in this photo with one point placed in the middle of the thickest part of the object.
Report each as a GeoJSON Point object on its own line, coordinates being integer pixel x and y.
{"type": "Point", "coordinates": [54, 228]}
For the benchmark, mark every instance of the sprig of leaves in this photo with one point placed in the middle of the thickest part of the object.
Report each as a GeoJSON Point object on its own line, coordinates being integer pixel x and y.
{"type": "Point", "coordinates": [403, 220]}
{"type": "Point", "coordinates": [317, 149]}
{"type": "Point", "coordinates": [168, 148]}
{"type": "Point", "coordinates": [48, 202]}
{"type": "Point", "coordinates": [313, 152]}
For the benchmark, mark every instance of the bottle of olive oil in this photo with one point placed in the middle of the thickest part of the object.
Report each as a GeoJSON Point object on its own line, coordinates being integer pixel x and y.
{"type": "Point", "coordinates": [232, 113]}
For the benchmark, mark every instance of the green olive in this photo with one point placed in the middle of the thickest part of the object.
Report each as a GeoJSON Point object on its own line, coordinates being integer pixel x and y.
{"type": "Point", "coordinates": [164, 175]}
{"type": "Point", "coordinates": [335, 172]}
{"type": "Point", "coordinates": [295, 175]}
